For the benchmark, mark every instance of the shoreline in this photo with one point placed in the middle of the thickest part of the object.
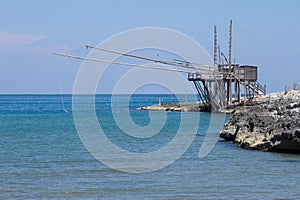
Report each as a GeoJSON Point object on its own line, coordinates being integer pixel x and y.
{"type": "Point", "coordinates": [183, 107]}
{"type": "Point", "coordinates": [268, 123]}
{"type": "Point", "coordinates": [175, 107]}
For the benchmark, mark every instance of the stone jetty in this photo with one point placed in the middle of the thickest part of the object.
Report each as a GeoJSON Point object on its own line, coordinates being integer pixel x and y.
{"type": "Point", "coordinates": [270, 123]}
{"type": "Point", "coordinates": [176, 107]}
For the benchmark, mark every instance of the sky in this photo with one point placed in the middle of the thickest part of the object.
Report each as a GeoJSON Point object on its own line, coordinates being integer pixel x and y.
{"type": "Point", "coordinates": [265, 33]}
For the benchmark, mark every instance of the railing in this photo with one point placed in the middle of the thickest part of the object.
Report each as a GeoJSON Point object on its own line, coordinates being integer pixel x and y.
{"type": "Point", "coordinates": [256, 88]}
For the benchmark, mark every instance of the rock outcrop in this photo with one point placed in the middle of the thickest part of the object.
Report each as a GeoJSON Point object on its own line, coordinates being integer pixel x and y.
{"type": "Point", "coordinates": [270, 123]}
{"type": "Point", "coordinates": [176, 107]}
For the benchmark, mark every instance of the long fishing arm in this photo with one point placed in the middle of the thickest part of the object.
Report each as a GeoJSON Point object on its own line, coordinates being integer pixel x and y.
{"type": "Point", "coordinates": [203, 67]}
{"type": "Point", "coordinates": [126, 64]}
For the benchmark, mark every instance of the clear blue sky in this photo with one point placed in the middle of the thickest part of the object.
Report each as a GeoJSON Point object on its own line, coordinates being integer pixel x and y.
{"type": "Point", "coordinates": [265, 33]}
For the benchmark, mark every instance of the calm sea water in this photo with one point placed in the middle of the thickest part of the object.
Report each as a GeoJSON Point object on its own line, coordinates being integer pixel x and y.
{"type": "Point", "coordinates": [42, 157]}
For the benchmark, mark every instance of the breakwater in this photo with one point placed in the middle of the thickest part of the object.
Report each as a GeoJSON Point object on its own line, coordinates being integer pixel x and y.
{"type": "Point", "coordinates": [176, 107]}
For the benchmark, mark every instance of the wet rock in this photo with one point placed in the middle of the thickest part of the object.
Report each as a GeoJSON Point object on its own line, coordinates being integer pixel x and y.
{"type": "Point", "coordinates": [270, 123]}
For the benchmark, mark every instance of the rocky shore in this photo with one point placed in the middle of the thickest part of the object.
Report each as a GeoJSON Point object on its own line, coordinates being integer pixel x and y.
{"type": "Point", "coordinates": [176, 107]}
{"type": "Point", "coordinates": [269, 123]}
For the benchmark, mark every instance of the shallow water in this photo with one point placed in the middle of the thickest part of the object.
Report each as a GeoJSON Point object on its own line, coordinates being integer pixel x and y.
{"type": "Point", "coordinates": [42, 156]}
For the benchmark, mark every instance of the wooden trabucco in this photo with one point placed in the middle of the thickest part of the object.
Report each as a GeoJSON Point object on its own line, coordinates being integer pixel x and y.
{"type": "Point", "coordinates": [215, 90]}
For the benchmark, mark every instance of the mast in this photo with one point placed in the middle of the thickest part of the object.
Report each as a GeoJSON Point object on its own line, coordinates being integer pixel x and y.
{"type": "Point", "coordinates": [215, 46]}
{"type": "Point", "coordinates": [230, 67]}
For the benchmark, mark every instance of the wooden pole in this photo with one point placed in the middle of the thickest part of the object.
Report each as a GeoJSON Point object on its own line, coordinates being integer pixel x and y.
{"type": "Point", "coordinates": [133, 65]}
{"type": "Point", "coordinates": [215, 46]}
{"type": "Point", "coordinates": [192, 66]}
{"type": "Point", "coordinates": [235, 81]}
{"type": "Point", "coordinates": [245, 89]}
{"type": "Point", "coordinates": [230, 68]}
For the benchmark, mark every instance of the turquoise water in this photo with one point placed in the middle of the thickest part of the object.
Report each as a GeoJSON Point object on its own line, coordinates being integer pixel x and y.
{"type": "Point", "coordinates": [42, 157]}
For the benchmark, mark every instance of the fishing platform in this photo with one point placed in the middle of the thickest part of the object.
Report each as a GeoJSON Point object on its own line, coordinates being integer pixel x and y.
{"type": "Point", "coordinates": [218, 86]}
{"type": "Point", "coordinates": [218, 91]}
{"type": "Point", "coordinates": [223, 86]}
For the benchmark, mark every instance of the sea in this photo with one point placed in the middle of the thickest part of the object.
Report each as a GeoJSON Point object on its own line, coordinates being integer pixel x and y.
{"type": "Point", "coordinates": [42, 156]}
